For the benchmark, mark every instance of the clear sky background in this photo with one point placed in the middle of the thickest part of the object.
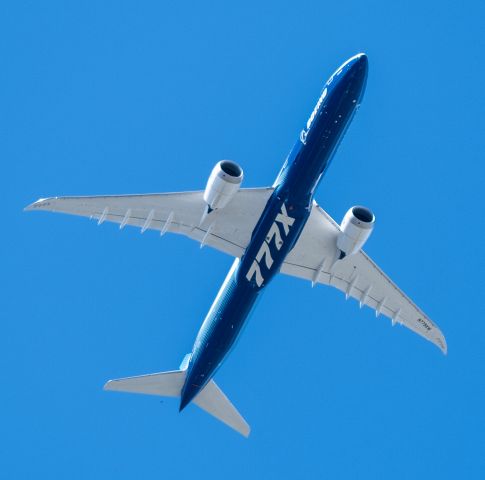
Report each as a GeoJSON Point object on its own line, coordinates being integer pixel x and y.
{"type": "Point", "coordinates": [132, 97]}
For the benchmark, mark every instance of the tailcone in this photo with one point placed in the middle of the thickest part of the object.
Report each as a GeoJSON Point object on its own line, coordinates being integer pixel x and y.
{"type": "Point", "coordinates": [189, 392]}
{"type": "Point", "coordinates": [184, 401]}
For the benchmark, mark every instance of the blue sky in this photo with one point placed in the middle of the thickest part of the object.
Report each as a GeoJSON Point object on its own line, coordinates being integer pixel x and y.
{"type": "Point", "coordinates": [132, 97]}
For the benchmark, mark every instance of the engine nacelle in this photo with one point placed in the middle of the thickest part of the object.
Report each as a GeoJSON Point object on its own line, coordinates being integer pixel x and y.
{"type": "Point", "coordinates": [356, 228]}
{"type": "Point", "coordinates": [224, 182]}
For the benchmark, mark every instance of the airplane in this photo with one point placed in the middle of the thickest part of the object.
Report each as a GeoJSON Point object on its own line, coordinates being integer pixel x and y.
{"type": "Point", "coordinates": [268, 230]}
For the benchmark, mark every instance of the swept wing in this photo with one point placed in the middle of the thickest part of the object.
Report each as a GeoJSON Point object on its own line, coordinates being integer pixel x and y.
{"type": "Point", "coordinates": [228, 230]}
{"type": "Point", "coordinates": [314, 258]}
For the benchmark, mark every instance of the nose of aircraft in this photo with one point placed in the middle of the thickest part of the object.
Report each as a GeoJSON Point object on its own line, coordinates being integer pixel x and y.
{"type": "Point", "coordinates": [361, 57]}
{"type": "Point", "coordinates": [353, 71]}
{"type": "Point", "coordinates": [357, 71]}
{"type": "Point", "coordinates": [358, 63]}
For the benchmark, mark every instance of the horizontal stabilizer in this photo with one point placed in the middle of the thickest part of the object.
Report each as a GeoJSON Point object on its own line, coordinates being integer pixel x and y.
{"type": "Point", "coordinates": [170, 384]}
{"type": "Point", "coordinates": [213, 401]}
{"type": "Point", "coordinates": [165, 384]}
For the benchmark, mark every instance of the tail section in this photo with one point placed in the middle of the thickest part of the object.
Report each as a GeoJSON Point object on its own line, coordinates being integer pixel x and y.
{"type": "Point", "coordinates": [170, 384]}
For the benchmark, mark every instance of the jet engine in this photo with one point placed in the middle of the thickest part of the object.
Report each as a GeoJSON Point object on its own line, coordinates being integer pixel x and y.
{"type": "Point", "coordinates": [224, 182]}
{"type": "Point", "coordinates": [356, 228]}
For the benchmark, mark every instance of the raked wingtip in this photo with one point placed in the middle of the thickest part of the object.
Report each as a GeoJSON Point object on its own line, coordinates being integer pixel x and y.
{"type": "Point", "coordinates": [30, 207]}
{"type": "Point", "coordinates": [37, 205]}
{"type": "Point", "coordinates": [108, 385]}
{"type": "Point", "coordinates": [440, 342]}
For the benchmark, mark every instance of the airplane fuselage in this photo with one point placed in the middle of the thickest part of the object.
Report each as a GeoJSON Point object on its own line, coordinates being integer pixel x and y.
{"type": "Point", "coordinates": [280, 224]}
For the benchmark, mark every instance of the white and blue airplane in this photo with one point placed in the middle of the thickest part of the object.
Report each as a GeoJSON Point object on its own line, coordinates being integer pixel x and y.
{"type": "Point", "coordinates": [268, 230]}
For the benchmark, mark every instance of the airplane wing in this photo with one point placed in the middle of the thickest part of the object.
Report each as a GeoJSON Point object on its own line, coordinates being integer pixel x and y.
{"type": "Point", "coordinates": [313, 258]}
{"type": "Point", "coordinates": [228, 229]}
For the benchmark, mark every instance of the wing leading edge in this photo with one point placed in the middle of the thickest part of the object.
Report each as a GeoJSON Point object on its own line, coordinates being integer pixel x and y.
{"type": "Point", "coordinates": [228, 230]}
{"type": "Point", "coordinates": [313, 258]}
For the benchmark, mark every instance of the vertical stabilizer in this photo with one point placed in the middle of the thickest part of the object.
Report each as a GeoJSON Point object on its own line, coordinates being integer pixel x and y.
{"type": "Point", "coordinates": [185, 362]}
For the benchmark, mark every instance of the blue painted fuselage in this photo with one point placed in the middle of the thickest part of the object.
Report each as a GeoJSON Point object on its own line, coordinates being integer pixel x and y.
{"type": "Point", "coordinates": [280, 224]}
